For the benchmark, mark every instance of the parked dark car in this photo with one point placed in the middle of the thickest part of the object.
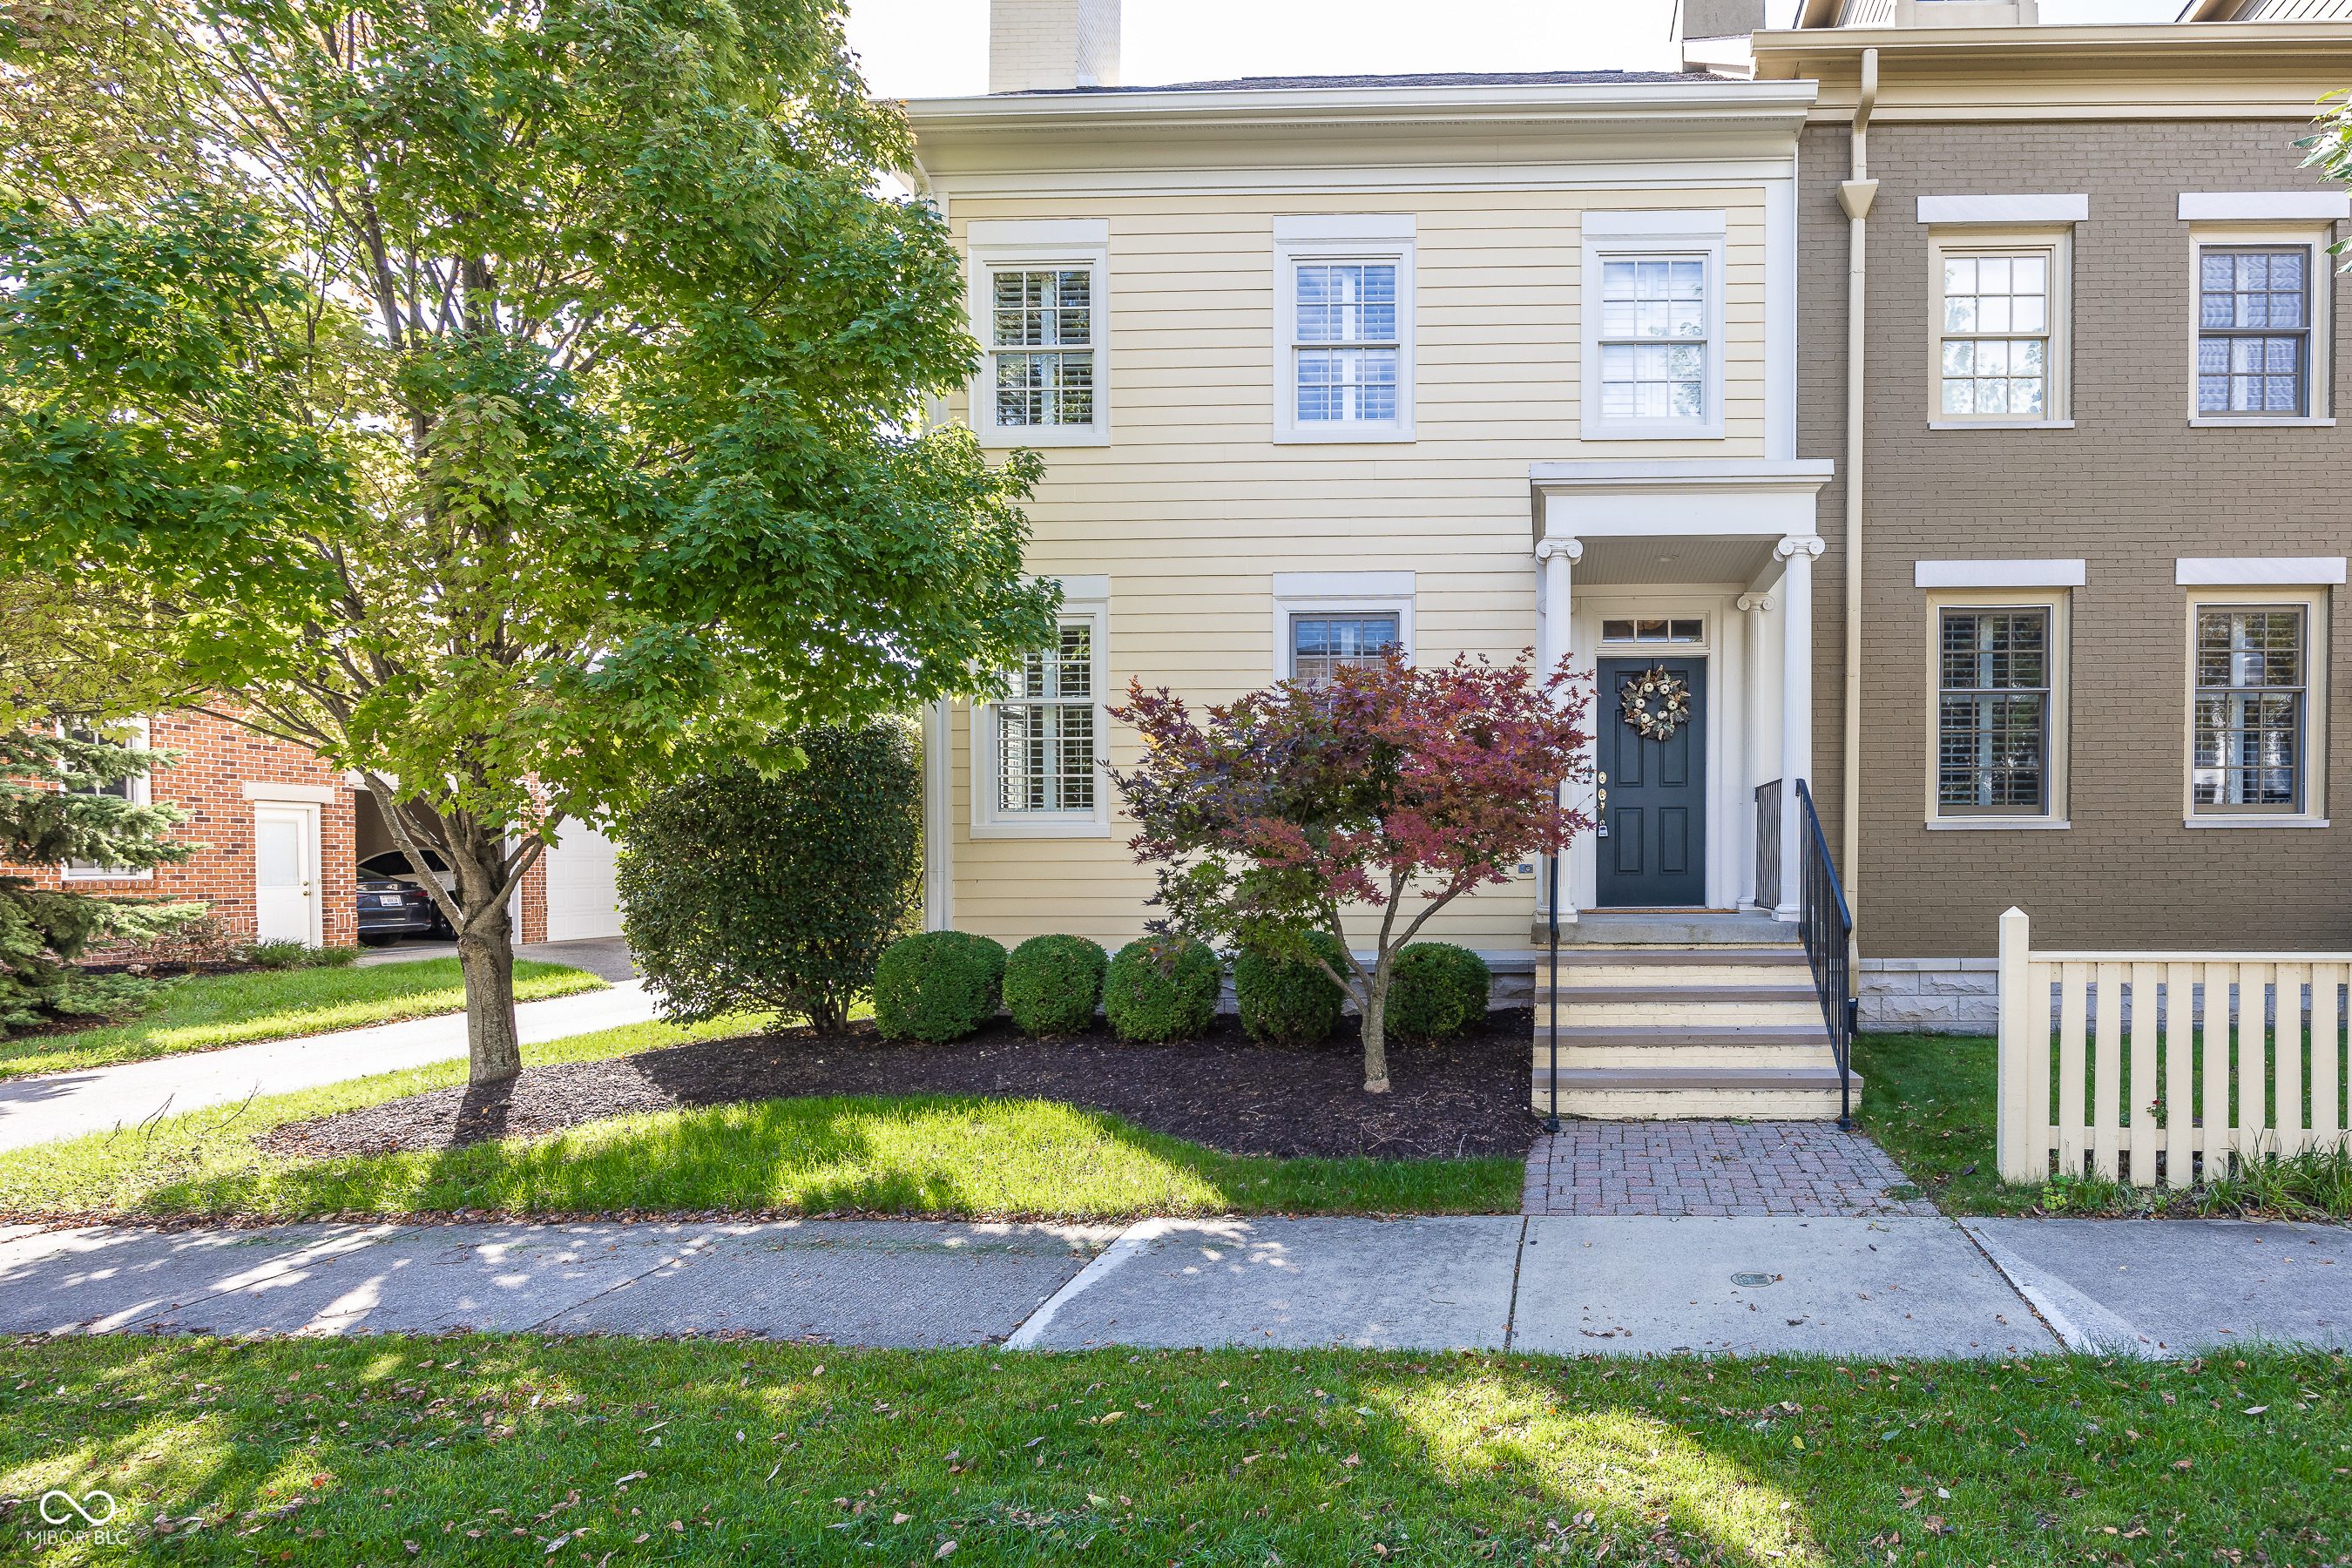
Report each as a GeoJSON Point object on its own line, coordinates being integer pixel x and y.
{"type": "Point", "coordinates": [393, 902]}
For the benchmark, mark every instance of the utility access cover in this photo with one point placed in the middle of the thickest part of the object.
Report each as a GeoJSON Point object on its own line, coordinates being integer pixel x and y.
{"type": "Point", "coordinates": [1751, 1280]}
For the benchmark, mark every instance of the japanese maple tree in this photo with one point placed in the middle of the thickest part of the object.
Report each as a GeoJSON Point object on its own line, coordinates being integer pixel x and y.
{"type": "Point", "coordinates": [1383, 784]}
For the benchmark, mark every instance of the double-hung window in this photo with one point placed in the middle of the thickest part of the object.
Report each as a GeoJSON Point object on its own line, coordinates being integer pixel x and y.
{"type": "Point", "coordinates": [1998, 341]}
{"type": "Point", "coordinates": [1037, 744]}
{"type": "Point", "coordinates": [1996, 657]}
{"type": "Point", "coordinates": [1323, 645]}
{"type": "Point", "coordinates": [2254, 331]}
{"type": "Point", "coordinates": [1343, 346]}
{"type": "Point", "coordinates": [132, 787]}
{"type": "Point", "coordinates": [1653, 325]}
{"type": "Point", "coordinates": [1039, 311]}
{"type": "Point", "coordinates": [2253, 665]}
{"type": "Point", "coordinates": [1992, 712]}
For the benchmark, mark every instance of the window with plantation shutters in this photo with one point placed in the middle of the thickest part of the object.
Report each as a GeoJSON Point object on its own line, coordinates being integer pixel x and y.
{"type": "Point", "coordinates": [1043, 347]}
{"type": "Point", "coordinates": [1045, 730]}
{"type": "Point", "coordinates": [1993, 712]}
{"type": "Point", "coordinates": [2252, 674]}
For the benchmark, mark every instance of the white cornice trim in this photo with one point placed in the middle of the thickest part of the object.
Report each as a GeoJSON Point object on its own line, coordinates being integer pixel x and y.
{"type": "Point", "coordinates": [1807, 474]}
{"type": "Point", "coordinates": [1290, 105]}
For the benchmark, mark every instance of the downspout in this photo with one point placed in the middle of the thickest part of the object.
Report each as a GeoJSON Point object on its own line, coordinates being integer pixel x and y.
{"type": "Point", "coordinates": [1856, 196]}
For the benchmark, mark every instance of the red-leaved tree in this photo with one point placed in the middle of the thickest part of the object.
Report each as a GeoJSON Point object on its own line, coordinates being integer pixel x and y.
{"type": "Point", "coordinates": [1382, 784]}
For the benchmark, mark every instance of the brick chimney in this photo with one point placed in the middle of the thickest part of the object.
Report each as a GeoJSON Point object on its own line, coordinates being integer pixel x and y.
{"type": "Point", "coordinates": [1041, 44]}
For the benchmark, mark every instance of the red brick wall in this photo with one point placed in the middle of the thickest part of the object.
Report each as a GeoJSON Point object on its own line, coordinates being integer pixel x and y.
{"type": "Point", "coordinates": [534, 903]}
{"type": "Point", "coordinates": [216, 760]}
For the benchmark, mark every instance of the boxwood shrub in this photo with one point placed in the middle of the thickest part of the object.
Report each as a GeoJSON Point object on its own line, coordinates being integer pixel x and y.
{"type": "Point", "coordinates": [1053, 984]}
{"type": "Point", "coordinates": [1436, 990]}
{"type": "Point", "coordinates": [938, 986]}
{"type": "Point", "coordinates": [1162, 988]}
{"type": "Point", "coordinates": [1288, 1002]}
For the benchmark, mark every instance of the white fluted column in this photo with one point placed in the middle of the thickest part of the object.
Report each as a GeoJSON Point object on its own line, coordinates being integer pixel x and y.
{"type": "Point", "coordinates": [1755, 759]}
{"type": "Point", "coordinates": [1557, 556]}
{"type": "Point", "coordinates": [1797, 550]}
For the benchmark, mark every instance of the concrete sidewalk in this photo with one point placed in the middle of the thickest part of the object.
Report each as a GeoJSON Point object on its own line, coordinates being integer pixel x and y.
{"type": "Point", "coordinates": [36, 1109]}
{"type": "Point", "coordinates": [1898, 1285]}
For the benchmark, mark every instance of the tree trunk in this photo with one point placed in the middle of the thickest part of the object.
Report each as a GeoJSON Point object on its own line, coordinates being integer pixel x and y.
{"type": "Point", "coordinates": [485, 954]}
{"type": "Point", "coordinates": [1375, 1048]}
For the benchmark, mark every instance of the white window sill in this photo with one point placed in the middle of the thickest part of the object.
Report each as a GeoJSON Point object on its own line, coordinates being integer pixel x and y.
{"type": "Point", "coordinates": [1045, 436]}
{"type": "Point", "coordinates": [1995, 824]}
{"type": "Point", "coordinates": [2001, 424]}
{"type": "Point", "coordinates": [1067, 827]}
{"type": "Point", "coordinates": [1656, 430]}
{"type": "Point", "coordinates": [1340, 433]}
{"type": "Point", "coordinates": [2259, 422]}
{"type": "Point", "coordinates": [2253, 822]}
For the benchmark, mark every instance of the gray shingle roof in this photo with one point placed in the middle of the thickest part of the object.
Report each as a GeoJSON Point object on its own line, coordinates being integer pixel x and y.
{"type": "Point", "coordinates": [1434, 79]}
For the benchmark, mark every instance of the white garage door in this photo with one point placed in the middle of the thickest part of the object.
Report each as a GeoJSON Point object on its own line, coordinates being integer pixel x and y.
{"type": "Point", "coordinates": [581, 901]}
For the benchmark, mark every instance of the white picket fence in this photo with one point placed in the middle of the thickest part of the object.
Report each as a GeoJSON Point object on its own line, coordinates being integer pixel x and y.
{"type": "Point", "coordinates": [2162, 1057]}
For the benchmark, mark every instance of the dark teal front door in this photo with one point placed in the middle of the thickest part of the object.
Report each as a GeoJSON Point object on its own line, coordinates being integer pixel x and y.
{"type": "Point", "coordinates": [1655, 852]}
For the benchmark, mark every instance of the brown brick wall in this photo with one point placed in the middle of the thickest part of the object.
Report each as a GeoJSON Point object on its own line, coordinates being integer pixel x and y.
{"type": "Point", "coordinates": [2130, 488]}
{"type": "Point", "coordinates": [216, 760]}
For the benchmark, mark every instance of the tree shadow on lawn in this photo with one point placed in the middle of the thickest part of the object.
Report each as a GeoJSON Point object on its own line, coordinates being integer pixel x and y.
{"type": "Point", "coordinates": [1229, 1456]}
{"type": "Point", "coordinates": [932, 1154]}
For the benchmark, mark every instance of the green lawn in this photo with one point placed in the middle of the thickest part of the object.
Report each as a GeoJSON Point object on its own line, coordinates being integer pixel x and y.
{"type": "Point", "coordinates": [203, 1011]}
{"type": "Point", "coordinates": [587, 1452]}
{"type": "Point", "coordinates": [1930, 1100]}
{"type": "Point", "coordinates": [925, 1153]}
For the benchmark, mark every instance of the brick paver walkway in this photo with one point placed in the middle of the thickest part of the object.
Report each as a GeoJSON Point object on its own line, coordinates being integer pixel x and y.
{"type": "Point", "coordinates": [1802, 1168]}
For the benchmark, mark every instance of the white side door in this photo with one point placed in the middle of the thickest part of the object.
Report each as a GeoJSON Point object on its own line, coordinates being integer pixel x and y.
{"type": "Point", "coordinates": [285, 873]}
{"type": "Point", "coordinates": [581, 900]}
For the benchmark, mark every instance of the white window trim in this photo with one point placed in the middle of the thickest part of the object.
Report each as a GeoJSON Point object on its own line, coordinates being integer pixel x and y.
{"type": "Point", "coordinates": [1667, 236]}
{"type": "Point", "coordinates": [2058, 602]}
{"type": "Point", "coordinates": [2057, 397]}
{"type": "Point", "coordinates": [1314, 593]}
{"type": "Point", "coordinates": [1999, 574]}
{"type": "Point", "coordinates": [2027, 209]}
{"type": "Point", "coordinates": [1014, 245]}
{"type": "Point", "coordinates": [1373, 237]}
{"type": "Point", "coordinates": [2319, 383]}
{"type": "Point", "coordinates": [2317, 642]}
{"type": "Point", "coordinates": [987, 820]}
{"type": "Point", "coordinates": [139, 734]}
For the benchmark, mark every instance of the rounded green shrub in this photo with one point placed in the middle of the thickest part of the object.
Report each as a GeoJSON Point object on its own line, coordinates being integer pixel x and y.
{"type": "Point", "coordinates": [1289, 1002]}
{"type": "Point", "coordinates": [1053, 984]}
{"type": "Point", "coordinates": [744, 894]}
{"type": "Point", "coordinates": [1436, 990]}
{"type": "Point", "coordinates": [938, 987]}
{"type": "Point", "coordinates": [1162, 988]}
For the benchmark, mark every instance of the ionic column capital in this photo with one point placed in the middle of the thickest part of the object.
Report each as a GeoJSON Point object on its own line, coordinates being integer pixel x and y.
{"type": "Point", "coordinates": [1796, 544]}
{"type": "Point", "coordinates": [1754, 602]}
{"type": "Point", "coordinates": [1572, 548]}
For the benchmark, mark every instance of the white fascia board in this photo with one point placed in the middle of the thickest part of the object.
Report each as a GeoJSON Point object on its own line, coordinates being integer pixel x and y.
{"type": "Point", "coordinates": [2292, 206]}
{"type": "Point", "coordinates": [1342, 585]}
{"type": "Point", "coordinates": [987, 233]}
{"type": "Point", "coordinates": [2005, 209]}
{"type": "Point", "coordinates": [1685, 499]}
{"type": "Point", "coordinates": [2265, 571]}
{"type": "Point", "coordinates": [1998, 574]}
{"type": "Point", "coordinates": [1664, 100]}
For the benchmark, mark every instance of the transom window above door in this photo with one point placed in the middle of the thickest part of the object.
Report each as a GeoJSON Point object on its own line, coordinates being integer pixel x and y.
{"type": "Point", "coordinates": [1322, 645]}
{"type": "Point", "coordinates": [1655, 629]}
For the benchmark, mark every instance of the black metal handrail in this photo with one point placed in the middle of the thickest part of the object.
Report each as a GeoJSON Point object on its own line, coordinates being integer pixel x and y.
{"type": "Point", "coordinates": [1826, 924]}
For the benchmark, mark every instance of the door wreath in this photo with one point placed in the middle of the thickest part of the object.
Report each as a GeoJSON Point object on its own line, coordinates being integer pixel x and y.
{"type": "Point", "coordinates": [1655, 703]}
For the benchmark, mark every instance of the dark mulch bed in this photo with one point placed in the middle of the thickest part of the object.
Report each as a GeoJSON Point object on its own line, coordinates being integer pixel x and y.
{"type": "Point", "coordinates": [1468, 1096]}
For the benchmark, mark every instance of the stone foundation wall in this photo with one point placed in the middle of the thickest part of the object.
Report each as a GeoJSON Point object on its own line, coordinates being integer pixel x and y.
{"type": "Point", "coordinates": [1930, 995]}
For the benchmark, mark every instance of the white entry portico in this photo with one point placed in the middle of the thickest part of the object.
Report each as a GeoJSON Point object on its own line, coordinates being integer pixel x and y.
{"type": "Point", "coordinates": [1723, 552]}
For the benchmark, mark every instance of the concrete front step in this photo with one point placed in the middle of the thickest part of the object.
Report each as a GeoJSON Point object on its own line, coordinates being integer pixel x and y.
{"type": "Point", "coordinates": [1793, 1054]}
{"type": "Point", "coordinates": [1710, 982]}
{"type": "Point", "coordinates": [1713, 1007]}
{"type": "Point", "coordinates": [1586, 958]}
{"type": "Point", "coordinates": [1664, 928]}
{"type": "Point", "coordinates": [1772, 1094]}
